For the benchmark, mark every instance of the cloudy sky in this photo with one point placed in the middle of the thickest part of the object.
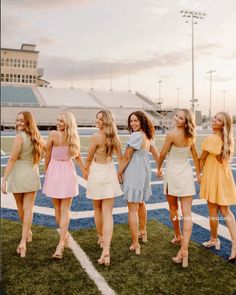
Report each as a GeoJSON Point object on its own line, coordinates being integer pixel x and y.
{"type": "Point", "coordinates": [146, 38]}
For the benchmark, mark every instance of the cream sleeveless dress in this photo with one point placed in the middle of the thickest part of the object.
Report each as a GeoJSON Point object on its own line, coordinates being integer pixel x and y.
{"type": "Point", "coordinates": [24, 176]}
{"type": "Point", "coordinates": [178, 177]}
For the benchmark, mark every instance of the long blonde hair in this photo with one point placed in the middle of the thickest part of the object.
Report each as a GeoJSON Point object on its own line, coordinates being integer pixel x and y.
{"type": "Point", "coordinates": [71, 133]}
{"type": "Point", "coordinates": [190, 126]}
{"type": "Point", "coordinates": [227, 134]}
{"type": "Point", "coordinates": [110, 131]}
{"type": "Point", "coordinates": [32, 130]}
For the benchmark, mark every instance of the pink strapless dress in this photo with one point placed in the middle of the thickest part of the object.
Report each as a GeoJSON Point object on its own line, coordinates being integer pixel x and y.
{"type": "Point", "coordinates": [61, 180]}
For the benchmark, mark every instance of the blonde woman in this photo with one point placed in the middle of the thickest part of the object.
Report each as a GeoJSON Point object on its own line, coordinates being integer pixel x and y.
{"type": "Point", "coordinates": [178, 178]}
{"type": "Point", "coordinates": [217, 184]}
{"type": "Point", "coordinates": [21, 176]}
{"type": "Point", "coordinates": [61, 183]}
{"type": "Point", "coordinates": [103, 185]}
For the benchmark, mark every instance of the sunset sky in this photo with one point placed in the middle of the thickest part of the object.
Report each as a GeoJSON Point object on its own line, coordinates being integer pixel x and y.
{"type": "Point", "coordinates": [149, 37]}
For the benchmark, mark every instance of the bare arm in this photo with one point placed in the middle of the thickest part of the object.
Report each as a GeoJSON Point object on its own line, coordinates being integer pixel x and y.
{"type": "Point", "coordinates": [90, 154]}
{"type": "Point", "coordinates": [79, 160]}
{"type": "Point", "coordinates": [202, 159]}
{"type": "Point", "coordinates": [48, 152]}
{"type": "Point", "coordinates": [16, 149]}
{"type": "Point", "coordinates": [119, 152]}
{"type": "Point", "coordinates": [153, 150]}
{"type": "Point", "coordinates": [166, 147]}
{"type": "Point", "coordinates": [126, 159]}
{"type": "Point", "coordinates": [196, 161]}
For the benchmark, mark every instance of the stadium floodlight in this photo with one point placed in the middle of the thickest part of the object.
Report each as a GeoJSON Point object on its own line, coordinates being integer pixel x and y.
{"type": "Point", "coordinates": [195, 17]}
{"type": "Point", "coordinates": [210, 72]}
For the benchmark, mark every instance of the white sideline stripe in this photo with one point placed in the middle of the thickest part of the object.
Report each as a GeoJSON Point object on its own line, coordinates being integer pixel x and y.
{"type": "Point", "coordinates": [87, 265]}
{"type": "Point", "coordinates": [8, 202]}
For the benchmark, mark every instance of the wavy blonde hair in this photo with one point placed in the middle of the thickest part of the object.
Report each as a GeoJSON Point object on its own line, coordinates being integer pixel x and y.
{"type": "Point", "coordinates": [190, 126]}
{"type": "Point", "coordinates": [227, 134]}
{"type": "Point", "coordinates": [32, 130]}
{"type": "Point", "coordinates": [110, 131]}
{"type": "Point", "coordinates": [71, 133]}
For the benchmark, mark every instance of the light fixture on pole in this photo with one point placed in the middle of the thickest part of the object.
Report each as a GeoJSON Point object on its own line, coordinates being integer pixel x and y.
{"type": "Point", "coordinates": [193, 17]}
{"type": "Point", "coordinates": [210, 73]}
{"type": "Point", "coordinates": [224, 91]}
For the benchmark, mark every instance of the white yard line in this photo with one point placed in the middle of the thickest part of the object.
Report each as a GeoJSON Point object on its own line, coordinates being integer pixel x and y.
{"type": "Point", "coordinates": [91, 271]}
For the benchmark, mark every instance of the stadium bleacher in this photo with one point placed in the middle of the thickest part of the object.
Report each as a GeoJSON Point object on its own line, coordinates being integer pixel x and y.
{"type": "Point", "coordinates": [46, 103]}
{"type": "Point", "coordinates": [18, 96]}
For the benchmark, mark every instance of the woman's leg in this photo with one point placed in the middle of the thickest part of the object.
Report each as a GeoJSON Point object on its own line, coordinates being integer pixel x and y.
{"type": "Point", "coordinates": [65, 219]}
{"type": "Point", "coordinates": [28, 205]}
{"type": "Point", "coordinates": [231, 224]}
{"type": "Point", "coordinates": [213, 215]}
{"type": "Point", "coordinates": [107, 218]}
{"type": "Point", "coordinates": [57, 207]}
{"type": "Point", "coordinates": [173, 205]}
{"type": "Point", "coordinates": [182, 256]}
{"type": "Point", "coordinates": [142, 215]}
{"type": "Point", "coordinates": [19, 203]}
{"type": "Point", "coordinates": [133, 223]}
{"type": "Point", "coordinates": [97, 205]}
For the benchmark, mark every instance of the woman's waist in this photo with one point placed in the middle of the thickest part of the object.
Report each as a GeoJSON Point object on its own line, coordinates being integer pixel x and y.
{"type": "Point", "coordinates": [102, 159]}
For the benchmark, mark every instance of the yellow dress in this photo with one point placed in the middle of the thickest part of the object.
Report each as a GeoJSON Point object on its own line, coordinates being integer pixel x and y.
{"type": "Point", "coordinates": [217, 184]}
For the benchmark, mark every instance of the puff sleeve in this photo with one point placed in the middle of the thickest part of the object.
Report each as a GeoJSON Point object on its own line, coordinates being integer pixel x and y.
{"type": "Point", "coordinates": [135, 140]}
{"type": "Point", "coordinates": [212, 144]}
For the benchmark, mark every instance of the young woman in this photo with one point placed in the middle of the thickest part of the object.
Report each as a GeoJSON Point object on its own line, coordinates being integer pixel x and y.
{"type": "Point", "coordinates": [61, 183]}
{"type": "Point", "coordinates": [21, 176]}
{"type": "Point", "coordinates": [103, 185]}
{"type": "Point", "coordinates": [178, 178]}
{"type": "Point", "coordinates": [217, 184]}
{"type": "Point", "coordinates": [137, 174]}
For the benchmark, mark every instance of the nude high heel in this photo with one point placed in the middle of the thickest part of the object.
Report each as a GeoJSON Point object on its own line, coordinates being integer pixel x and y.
{"type": "Point", "coordinates": [212, 243]}
{"type": "Point", "coordinates": [105, 258]}
{"type": "Point", "coordinates": [182, 257]}
{"type": "Point", "coordinates": [232, 258]}
{"type": "Point", "coordinates": [29, 237]}
{"type": "Point", "coordinates": [143, 235]}
{"type": "Point", "coordinates": [21, 250]}
{"type": "Point", "coordinates": [100, 241]}
{"type": "Point", "coordinates": [59, 252]}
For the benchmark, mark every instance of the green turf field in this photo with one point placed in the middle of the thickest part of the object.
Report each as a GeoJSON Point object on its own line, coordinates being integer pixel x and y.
{"type": "Point", "coordinates": [151, 273]}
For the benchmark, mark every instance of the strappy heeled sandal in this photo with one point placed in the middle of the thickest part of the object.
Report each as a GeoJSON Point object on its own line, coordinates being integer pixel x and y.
{"type": "Point", "coordinates": [212, 243]}
{"type": "Point", "coordinates": [59, 252]}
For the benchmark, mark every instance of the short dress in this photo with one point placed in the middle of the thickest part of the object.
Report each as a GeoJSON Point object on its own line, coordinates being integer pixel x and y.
{"type": "Point", "coordinates": [61, 180]}
{"type": "Point", "coordinates": [24, 176]}
{"type": "Point", "coordinates": [217, 184]}
{"type": "Point", "coordinates": [137, 175]}
{"type": "Point", "coordinates": [103, 181]}
{"type": "Point", "coordinates": [178, 177]}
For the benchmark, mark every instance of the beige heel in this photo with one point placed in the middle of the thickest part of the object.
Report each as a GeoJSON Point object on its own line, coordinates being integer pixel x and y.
{"type": "Point", "coordinates": [185, 261]}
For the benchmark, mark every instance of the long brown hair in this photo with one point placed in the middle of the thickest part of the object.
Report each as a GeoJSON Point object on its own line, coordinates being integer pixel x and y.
{"type": "Point", "coordinates": [110, 131]}
{"type": "Point", "coordinates": [190, 126]}
{"type": "Point", "coordinates": [32, 130]}
{"type": "Point", "coordinates": [145, 124]}
{"type": "Point", "coordinates": [227, 134]}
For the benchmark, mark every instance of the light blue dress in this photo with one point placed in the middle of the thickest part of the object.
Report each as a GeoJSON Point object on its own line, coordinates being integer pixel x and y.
{"type": "Point", "coordinates": [137, 175]}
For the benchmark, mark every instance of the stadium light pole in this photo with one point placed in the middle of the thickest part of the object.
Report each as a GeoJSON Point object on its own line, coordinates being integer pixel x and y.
{"type": "Point", "coordinates": [210, 72]}
{"type": "Point", "coordinates": [193, 17]}
{"type": "Point", "coordinates": [224, 99]}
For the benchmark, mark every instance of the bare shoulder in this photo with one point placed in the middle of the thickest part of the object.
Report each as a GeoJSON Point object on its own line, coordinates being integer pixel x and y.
{"type": "Point", "coordinates": [171, 135]}
{"type": "Point", "coordinates": [95, 138]}
{"type": "Point", "coordinates": [53, 133]}
{"type": "Point", "coordinates": [19, 138]}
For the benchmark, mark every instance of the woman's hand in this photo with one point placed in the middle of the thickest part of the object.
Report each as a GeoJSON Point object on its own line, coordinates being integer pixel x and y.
{"type": "Point", "coordinates": [160, 173]}
{"type": "Point", "coordinates": [85, 174]}
{"type": "Point", "coordinates": [120, 177]}
{"type": "Point", "coordinates": [199, 178]}
{"type": "Point", "coordinates": [4, 187]}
